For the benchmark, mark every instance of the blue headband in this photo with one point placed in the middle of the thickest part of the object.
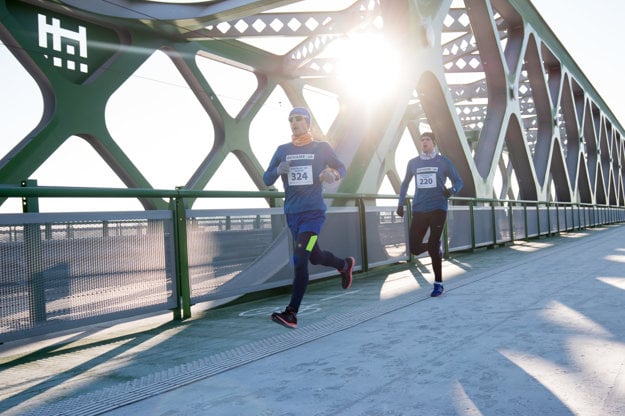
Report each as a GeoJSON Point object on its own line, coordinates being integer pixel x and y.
{"type": "Point", "coordinates": [300, 111]}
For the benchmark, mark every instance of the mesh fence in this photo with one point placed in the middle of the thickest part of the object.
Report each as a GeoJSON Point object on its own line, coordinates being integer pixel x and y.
{"type": "Point", "coordinates": [59, 271]}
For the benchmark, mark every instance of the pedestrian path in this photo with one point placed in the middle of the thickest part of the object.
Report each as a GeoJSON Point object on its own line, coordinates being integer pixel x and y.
{"type": "Point", "coordinates": [531, 328]}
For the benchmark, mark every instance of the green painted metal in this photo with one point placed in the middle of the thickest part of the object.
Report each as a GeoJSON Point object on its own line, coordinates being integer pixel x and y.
{"type": "Point", "coordinates": [34, 258]}
{"type": "Point", "coordinates": [537, 217]}
{"type": "Point", "coordinates": [182, 261]}
{"type": "Point", "coordinates": [494, 222]}
{"type": "Point", "coordinates": [363, 232]}
{"type": "Point", "coordinates": [75, 103]}
{"type": "Point", "coordinates": [30, 204]}
{"type": "Point", "coordinates": [512, 50]}
{"type": "Point", "coordinates": [525, 221]}
{"type": "Point", "coordinates": [472, 213]}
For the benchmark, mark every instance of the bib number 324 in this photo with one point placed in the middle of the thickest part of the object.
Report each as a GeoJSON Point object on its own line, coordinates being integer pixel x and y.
{"type": "Point", "coordinates": [300, 175]}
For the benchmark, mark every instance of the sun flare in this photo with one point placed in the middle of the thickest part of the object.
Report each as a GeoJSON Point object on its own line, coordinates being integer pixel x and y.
{"type": "Point", "coordinates": [368, 68]}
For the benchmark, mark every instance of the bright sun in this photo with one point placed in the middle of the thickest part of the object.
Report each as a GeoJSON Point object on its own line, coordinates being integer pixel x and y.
{"type": "Point", "coordinates": [368, 66]}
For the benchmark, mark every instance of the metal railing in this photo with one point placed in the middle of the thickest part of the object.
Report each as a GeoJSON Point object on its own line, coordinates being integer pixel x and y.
{"type": "Point", "coordinates": [64, 270]}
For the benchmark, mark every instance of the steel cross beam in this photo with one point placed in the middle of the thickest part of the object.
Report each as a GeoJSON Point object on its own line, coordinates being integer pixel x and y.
{"type": "Point", "coordinates": [513, 110]}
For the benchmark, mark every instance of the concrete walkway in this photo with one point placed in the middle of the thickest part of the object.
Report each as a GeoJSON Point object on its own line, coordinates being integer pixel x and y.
{"type": "Point", "coordinates": [535, 328]}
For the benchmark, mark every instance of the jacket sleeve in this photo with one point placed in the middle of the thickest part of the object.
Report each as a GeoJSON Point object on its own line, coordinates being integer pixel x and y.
{"type": "Point", "coordinates": [271, 174]}
{"type": "Point", "coordinates": [334, 162]}
{"type": "Point", "coordinates": [456, 180]}
{"type": "Point", "coordinates": [404, 185]}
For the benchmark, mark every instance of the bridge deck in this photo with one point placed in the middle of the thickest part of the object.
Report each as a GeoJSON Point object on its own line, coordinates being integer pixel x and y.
{"type": "Point", "coordinates": [531, 328]}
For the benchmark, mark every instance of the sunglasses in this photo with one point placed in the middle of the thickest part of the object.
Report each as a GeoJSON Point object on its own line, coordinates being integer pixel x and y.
{"type": "Point", "coordinates": [296, 118]}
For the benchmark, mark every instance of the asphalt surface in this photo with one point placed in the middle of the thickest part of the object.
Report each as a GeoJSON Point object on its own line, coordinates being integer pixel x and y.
{"type": "Point", "coordinates": [533, 328]}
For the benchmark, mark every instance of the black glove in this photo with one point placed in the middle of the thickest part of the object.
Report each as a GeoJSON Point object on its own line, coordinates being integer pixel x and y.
{"type": "Point", "coordinates": [400, 210]}
{"type": "Point", "coordinates": [447, 192]}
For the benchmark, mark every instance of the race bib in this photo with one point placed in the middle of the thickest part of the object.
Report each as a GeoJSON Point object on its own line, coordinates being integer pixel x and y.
{"type": "Point", "coordinates": [300, 175]}
{"type": "Point", "coordinates": [426, 178]}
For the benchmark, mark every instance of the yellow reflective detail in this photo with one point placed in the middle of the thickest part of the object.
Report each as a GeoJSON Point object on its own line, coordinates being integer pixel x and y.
{"type": "Point", "coordinates": [311, 243]}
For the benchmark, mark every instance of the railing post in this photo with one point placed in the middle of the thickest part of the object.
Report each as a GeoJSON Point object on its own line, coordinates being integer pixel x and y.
{"type": "Point", "coordinates": [408, 217]}
{"type": "Point", "coordinates": [445, 241]}
{"type": "Point", "coordinates": [183, 311]}
{"type": "Point", "coordinates": [511, 221]}
{"type": "Point", "coordinates": [538, 219]}
{"type": "Point", "coordinates": [557, 217]}
{"type": "Point", "coordinates": [548, 220]}
{"type": "Point", "coordinates": [472, 222]}
{"type": "Point", "coordinates": [527, 237]}
{"type": "Point", "coordinates": [34, 259]}
{"type": "Point", "coordinates": [360, 203]}
{"type": "Point", "coordinates": [494, 222]}
{"type": "Point", "coordinates": [579, 218]}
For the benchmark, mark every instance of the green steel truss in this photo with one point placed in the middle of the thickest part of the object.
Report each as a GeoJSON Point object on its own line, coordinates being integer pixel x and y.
{"type": "Point", "coordinates": [487, 76]}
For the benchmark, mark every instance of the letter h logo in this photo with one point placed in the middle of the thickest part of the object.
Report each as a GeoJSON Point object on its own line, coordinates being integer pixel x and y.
{"type": "Point", "coordinates": [69, 39]}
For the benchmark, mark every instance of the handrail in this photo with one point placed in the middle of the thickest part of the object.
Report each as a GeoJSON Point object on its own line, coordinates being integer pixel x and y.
{"type": "Point", "coordinates": [93, 192]}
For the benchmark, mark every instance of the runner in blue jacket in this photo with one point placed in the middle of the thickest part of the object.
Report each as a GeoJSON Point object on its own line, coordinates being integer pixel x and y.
{"type": "Point", "coordinates": [429, 208]}
{"type": "Point", "coordinates": [303, 165]}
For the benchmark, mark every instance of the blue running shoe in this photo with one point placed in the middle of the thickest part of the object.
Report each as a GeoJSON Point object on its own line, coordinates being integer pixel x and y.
{"type": "Point", "coordinates": [438, 290]}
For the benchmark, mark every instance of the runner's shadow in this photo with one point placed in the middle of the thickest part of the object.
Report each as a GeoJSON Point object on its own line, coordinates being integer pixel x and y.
{"type": "Point", "coordinates": [128, 342]}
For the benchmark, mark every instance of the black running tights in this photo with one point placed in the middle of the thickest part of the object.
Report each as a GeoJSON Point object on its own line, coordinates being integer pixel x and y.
{"type": "Point", "coordinates": [421, 223]}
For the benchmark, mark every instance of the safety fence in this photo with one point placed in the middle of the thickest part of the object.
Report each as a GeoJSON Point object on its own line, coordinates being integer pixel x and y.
{"type": "Point", "coordinates": [60, 271]}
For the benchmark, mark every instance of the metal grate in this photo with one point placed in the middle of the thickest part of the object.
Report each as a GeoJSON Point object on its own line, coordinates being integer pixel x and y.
{"type": "Point", "coordinates": [59, 273]}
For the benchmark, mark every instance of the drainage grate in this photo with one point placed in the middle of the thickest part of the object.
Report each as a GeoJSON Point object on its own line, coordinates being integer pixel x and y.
{"type": "Point", "coordinates": [111, 398]}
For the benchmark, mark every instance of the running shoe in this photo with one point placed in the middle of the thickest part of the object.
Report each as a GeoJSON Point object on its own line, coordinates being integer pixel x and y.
{"type": "Point", "coordinates": [346, 273]}
{"type": "Point", "coordinates": [287, 318]}
{"type": "Point", "coordinates": [438, 290]}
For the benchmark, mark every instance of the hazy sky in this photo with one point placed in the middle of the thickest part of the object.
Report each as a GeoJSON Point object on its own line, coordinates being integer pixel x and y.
{"type": "Point", "coordinates": [592, 32]}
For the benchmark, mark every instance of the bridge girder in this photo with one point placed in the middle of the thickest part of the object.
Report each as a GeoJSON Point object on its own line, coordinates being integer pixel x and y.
{"type": "Point", "coordinates": [512, 110]}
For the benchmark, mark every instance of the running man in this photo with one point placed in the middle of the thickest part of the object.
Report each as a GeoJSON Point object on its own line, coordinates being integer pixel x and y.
{"type": "Point", "coordinates": [429, 208]}
{"type": "Point", "coordinates": [304, 164]}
